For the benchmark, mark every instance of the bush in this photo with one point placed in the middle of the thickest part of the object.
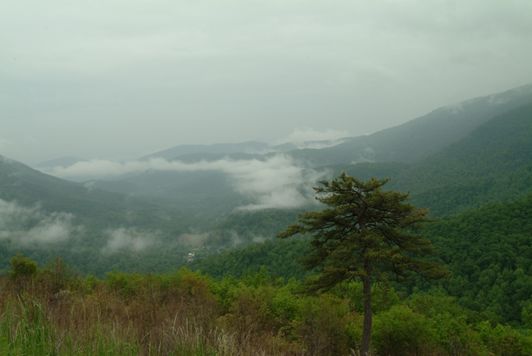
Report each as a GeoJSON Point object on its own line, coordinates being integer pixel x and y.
{"type": "Point", "coordinates": [505, 341]}
{"type": "Point", "coordinates": [22, 267]}
{"type": "Point", "coordinates": [401, 331]}
{"type": "Point", "coordinates": [323, 324]}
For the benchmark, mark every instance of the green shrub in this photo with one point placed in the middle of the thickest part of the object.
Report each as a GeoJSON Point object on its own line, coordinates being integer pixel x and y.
{"type": "Point", "coordinates": [22, 267]}
{"type": "Point", "coordinates": [401, 331]}
{"type": "Point", "coordinates": [504, 341]}
{"type": "Point", "coordinates": [322, 325]}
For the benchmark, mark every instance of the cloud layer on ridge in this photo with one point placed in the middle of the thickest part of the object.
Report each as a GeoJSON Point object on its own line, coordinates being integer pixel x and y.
{"type": "Point", "coordinates": [276, 182]}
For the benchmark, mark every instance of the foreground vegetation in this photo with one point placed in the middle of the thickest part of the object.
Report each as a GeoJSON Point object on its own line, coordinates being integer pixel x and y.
{"type": "Point", "coordinates": [50, 311]}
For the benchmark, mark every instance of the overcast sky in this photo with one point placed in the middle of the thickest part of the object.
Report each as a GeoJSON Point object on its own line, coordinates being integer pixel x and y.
{"type": "Point", "coordinates": [123, 78]}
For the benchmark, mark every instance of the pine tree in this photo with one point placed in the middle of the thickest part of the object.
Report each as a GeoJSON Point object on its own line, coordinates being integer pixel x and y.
{"type": "Point", "coordinates": [365, 234]}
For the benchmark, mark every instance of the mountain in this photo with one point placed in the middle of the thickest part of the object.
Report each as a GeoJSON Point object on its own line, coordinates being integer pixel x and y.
{"type": "Point", "coordinates": [203, 196]}
{"type": "Point", "coordinates": [28, 187]}
{"type": "Point", "coordinates": [450, 160]}
{"type": "Point", "coordinates": [218, 149]}
{"type": "Point", "coordinates": [493, 163]}
{"type": "Point", "coordinates": [94, 230]}
{"type": "Point", "coordinates": [481, 185]}
{"type": "Point", "coordinates": [421, 137]}
{"type": "Point", "coordinates": [66, 161]}
{"type": "Point", "coordinates": [488, 159]}
{"type": "Point", "coordinates": [389, 153]}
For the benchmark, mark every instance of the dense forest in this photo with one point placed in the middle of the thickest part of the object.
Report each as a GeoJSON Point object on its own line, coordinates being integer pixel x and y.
{"type": "Point", "coordinates": [487, 251]}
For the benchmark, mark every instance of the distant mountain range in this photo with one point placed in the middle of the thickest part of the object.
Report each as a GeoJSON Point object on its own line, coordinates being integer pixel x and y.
{"type": "Point", "coordinates": [220, 149]}
{"type": "Point", "coordinates": [491, 163]}
{"type": "Point", "coordinates": [452, 159]}
{"type": "Point", "coordinates": [426, 156]}
{"type": "Point", "coordinates": [421, 137]}
{"type": "Point", "coordinates": [58, 162]}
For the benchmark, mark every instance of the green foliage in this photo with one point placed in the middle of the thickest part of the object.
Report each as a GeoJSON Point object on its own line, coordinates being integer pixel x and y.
{"type": "Point", "coordinates": [526, 314]}
{"type": "Point", "coordinates": [280, 258]}
{"type": "Point", "coordinates": [489, 254]}
{"type": "Point", "coordinates": [505, 341]}
{"type": "Point", "coordinates": [383, 295]}
{"type": "Point", "coordinates": [323, 323]}
{"type": "Point", "coordinates": [450, 324]}
{"type": "Point", "coordinates": [401, 331]}
{"type": "Point", "coordinates": [493, 163]}
{"type": "Point", "coordinates": [22, 267]}
{"type": "Point", "coordinates": [362, 233]}
{"type": "Point", "coordinates": [487, 251]}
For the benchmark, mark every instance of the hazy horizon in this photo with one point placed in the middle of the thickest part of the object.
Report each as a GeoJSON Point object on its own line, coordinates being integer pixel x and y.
{"type": "Point", "coordinates": [116, 79]}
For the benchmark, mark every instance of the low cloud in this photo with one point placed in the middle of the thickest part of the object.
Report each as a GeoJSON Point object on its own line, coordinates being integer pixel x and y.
{"type": "Point", "coordinates": [129, 239]}
{"type": "Point", "coordinates": [194, 240]}
{"type": "Point", "coordinates": [276, 182]}
{"type": "Point", "coordinates": [226, 237]}
{"type": "Point", "coordinates": [30, 225]}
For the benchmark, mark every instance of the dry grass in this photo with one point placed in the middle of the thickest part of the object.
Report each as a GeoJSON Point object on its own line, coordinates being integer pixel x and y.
{"type": "Point", "coordinates": [39, 316]}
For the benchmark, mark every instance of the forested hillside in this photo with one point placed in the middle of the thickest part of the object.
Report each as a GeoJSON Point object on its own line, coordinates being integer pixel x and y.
{"type": "Point", "coordinates": [493, 163]}
{"type": "Point", "coordinates": [94, 230]}
{"type": "Point", "coordinates": [27, 186]}
{"type": "Point", "coordinates": [487, 250]}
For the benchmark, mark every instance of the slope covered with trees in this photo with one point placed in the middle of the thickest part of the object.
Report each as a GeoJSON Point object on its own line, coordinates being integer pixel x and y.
{"type": "Point", "coordinates": [27, 186]}
{"type": "Point", "coordinates": [44, 217]}
{"type": "Point", "coordinates": [487, 251]}
{"type": "Point", "coordinates": [493, 163]}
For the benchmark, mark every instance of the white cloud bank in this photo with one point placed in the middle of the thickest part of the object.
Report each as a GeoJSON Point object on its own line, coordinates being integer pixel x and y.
{"type": "Point", "coordinates": [30, 225]}
{"type": "Point", "coordinates": [129, 239]}
{"type": "Point", "coordinates": [276, 182]}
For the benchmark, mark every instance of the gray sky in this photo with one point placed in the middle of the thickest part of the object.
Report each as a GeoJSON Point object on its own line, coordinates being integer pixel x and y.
{"type": "Point", "coordinates": [123, 78]}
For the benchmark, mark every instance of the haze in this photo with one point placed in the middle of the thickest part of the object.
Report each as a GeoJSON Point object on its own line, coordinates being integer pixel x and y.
{"type": "Point", "coordinates": [121, 79]}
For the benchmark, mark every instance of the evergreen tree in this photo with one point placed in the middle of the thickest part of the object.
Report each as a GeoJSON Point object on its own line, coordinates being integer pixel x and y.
{"type": "Point", "coordinates": [366, 234]}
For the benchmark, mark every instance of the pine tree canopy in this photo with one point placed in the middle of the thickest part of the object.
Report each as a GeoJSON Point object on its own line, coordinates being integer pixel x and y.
{"type": "Point", "coordinates": [364, 231]}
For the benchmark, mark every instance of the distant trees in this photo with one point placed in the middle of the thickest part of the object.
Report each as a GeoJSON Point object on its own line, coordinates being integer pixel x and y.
{"type": "Point", "coordinates": [365, 234]}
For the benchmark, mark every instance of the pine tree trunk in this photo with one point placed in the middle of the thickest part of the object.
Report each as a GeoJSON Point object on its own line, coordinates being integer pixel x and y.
{"type": "Point", "coordinates": [366, 331]}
